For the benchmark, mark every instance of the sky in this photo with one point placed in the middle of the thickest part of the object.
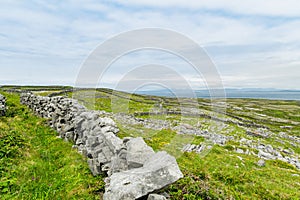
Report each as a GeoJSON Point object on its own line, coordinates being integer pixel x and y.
{"type": "Point", "coordinates": [252, 43]}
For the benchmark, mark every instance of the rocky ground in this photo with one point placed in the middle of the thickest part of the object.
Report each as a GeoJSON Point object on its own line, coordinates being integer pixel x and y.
{"type": "Point", "coordinates": [255, 146]}
{"type": "Point", "coordinates": [233, 148]}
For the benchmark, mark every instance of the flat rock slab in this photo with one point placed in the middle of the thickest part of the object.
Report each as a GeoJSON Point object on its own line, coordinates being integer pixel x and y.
{"type": "Point", "coordinates": [156, 197]}
{"type": "Point", "coordinates": [157, 172]}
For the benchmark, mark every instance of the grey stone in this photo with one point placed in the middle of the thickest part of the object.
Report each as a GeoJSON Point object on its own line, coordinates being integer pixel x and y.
{"type": "Point", "coordinates": [137, 152]}
{"type": "Point", "coordinates": [261, 146]}
{"type": "Point", "coordinates": [156, 197]}
{"type": "Point", "coordinates": [69, 136]}
{"type": "Point", "coordinates": [108, 128]}
{"type": "Point", "coordinates": [119, 162]}
{"type": "Point", "coordinates": [102, 158]}
{"type": "Point", "coordinates": [113, 142]}
{"type": "Point", "coordinates": [86, 115]}
{"type": "Point", "coordinates": [294, 160]}
{"type": "Point", "coordinates": [79, 141]}
{"type": "Point", "coordinates": [2, 105]}
{"type": "Point", "coordinates": [166, 195]}
{"type": "Point", "coordinates": [159, 171]}
{"type": "Point", "coordinates": [239, 150]}
{"type": "Point", "coordinates": [94, 166]}
{"type": "Point", "coordinates": [186, 148]}
{"type": "Point", "coordinates": [107, 122]}
{"type": "Point", "coordinates": [261, 163]}
{"type": "Point", "coordinates": [282, 159]}
{"type": "Point", "coordinates": [266, 155]}
{"type": "Point", "coordinates": [269, 149]}
{"type": "Point", "coordinates": [286, 151]}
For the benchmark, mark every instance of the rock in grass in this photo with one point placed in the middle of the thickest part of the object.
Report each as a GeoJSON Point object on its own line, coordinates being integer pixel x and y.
{"type": "Point", "coordinates": [261, 163]}
{"type": "Point", "coordinates": [156, 197]}
{"type": "Point", "coordinates": [2, 105]}
{"type": "Point", "coordinates": [239, 150]}
{"type": "Point", "coordinates": [266, 155]}
{"type": "Point", "coordinates": [157, 172]}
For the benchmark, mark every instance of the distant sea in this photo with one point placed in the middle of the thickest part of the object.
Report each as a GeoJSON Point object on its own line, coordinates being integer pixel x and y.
{"type": "Point", "coordinates": [234, 93]}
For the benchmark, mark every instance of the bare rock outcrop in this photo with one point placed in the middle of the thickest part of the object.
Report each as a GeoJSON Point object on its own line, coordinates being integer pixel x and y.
{"type": "Point", "coordinates": [158, 171]}
{"type": "Point", "coordinates": [2, 105]}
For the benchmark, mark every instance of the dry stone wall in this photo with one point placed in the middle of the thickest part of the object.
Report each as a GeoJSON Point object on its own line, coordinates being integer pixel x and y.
{"type": "Point", "coordinates": [134, 170]}
{"type": "Point", "coordinates": [2, 105]}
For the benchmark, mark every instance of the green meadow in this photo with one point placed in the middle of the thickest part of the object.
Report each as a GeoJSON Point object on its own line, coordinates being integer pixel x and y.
{"type": "Point", "coordinates": [36, 164]}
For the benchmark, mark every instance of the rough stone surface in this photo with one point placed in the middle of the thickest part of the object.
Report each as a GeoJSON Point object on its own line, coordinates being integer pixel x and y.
{"type": "Point", "coordinates": [239, 150]}
{"type": "Point", "coordinates": [156, 197]}
{"type": "Point", "coordinates": [268, 152]}
{"type": "Point", "coordinates": [158, 171]}
{"type": "Point", "coordinates": [137, 152]}
{"type": "Point", "coordinates": [180, 129]}
{"type": "Point", "coordinates": [261, 163]}
{"type": "Point", "coordinates": [2, 105]}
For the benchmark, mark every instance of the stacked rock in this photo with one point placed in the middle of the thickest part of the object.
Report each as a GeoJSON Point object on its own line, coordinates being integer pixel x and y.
{"type": "Point", "coordinates": [2, 105]}
{"type": "Point", "coordinates": [134, 170]}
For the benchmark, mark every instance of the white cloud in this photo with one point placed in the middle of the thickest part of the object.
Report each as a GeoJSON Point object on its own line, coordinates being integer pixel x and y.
{"type": "Point", "coordinates": [288, 8]}
{"type": "Point", "coordinates": [244, 39]}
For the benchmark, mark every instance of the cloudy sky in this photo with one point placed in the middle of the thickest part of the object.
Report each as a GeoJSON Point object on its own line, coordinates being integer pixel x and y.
{"type": "Point", "coordinates": [253, 43]}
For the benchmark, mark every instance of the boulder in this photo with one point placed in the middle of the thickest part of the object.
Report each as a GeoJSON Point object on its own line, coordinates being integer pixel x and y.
{"type": "Point", "coordinates": [137, 152]}
{"type": "Point", "coordinates": [156, 197]}
{"type": "Point", "coordinates": [157, 172]}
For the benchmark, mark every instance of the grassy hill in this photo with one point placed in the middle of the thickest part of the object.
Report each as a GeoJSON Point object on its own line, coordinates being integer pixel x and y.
{"type": "Point", "coordinates": [37, 165]}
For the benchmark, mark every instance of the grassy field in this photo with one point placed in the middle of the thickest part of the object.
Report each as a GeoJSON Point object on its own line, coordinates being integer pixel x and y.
{"type": "Point", "coordinates": [222, 173]}
{"type": "Point", "coordinates": [37, 165]}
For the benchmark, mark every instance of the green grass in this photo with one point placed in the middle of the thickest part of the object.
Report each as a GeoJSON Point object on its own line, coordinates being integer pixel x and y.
{"type": "Point", "coordinates": [35, 164]}
{"type": "Point", "coordinates": [221, 174]}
